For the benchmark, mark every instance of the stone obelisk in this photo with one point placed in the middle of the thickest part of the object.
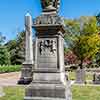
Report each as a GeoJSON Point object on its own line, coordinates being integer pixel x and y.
{"type": "Point", "coordinates": [49, 81]}
{"type": "Point", "coordinates": [26, 73]}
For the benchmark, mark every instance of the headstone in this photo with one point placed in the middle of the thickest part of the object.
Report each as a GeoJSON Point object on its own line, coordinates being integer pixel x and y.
{"type": "Point", "coordinates": [80, 76]}
{"type": "Point", "coordinates": [96, 78]}
{"type": "Point", "coordinates": [1, 92]}
{"type": "Point", "coordinates": [26, 73]}
{"type": "Point", "coordinates": [49, 81]}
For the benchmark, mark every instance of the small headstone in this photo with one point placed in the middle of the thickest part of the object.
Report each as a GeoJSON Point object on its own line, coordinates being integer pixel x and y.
{"type": "Point", "coordinates": [96, 78]}
{"type": "Point", "coordinates": [80, 76]}
{"type": "Point", "coordinates": [68, 92]}
{"type": "Point", "coordinates": [1, 92]}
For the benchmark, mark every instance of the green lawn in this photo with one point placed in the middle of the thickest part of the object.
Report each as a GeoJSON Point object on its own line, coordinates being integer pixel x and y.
{"type": "Point", "coordinates": [79, 93]}
{"type": "Point", "coordinates": [86, 92]}
{"type": "Point", "coordinates": [13, 93]}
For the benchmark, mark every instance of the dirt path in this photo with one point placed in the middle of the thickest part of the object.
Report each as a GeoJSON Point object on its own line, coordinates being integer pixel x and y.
{"type": "Point", "coordinates": [9, 79]}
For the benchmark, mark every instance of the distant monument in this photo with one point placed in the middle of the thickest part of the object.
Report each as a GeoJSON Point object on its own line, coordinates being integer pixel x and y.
{"type": "Point", "coordinates": [96, 78]}
{"type": "Point", "coordinates": [47, 71]}
{"type": "Point", "coordinates": [26, 73]}
{"type": "Point", "coordinates": [80, 76]}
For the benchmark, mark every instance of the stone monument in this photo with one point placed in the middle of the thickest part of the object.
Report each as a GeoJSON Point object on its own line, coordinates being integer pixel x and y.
{"type": "Point", "coordinates": [26, 73]}
{"type": "Point", "coordinates": [49, 81]}
{"type": "Point", "coordinates": [80, 76]}
{"type": "Point", "coordinates": [96, 78]}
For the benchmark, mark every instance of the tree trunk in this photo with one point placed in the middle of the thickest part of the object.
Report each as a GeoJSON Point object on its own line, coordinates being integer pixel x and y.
{"type": "Point", "coordinates": [81, 64]}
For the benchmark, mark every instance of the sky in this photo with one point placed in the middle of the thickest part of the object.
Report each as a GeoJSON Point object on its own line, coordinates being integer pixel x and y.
{"type": "Point", "coordinates": [12, 12]}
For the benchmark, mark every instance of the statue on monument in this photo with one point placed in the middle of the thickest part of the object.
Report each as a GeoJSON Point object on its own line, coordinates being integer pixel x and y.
{"type": "Point", "coordinates": [54, 3]}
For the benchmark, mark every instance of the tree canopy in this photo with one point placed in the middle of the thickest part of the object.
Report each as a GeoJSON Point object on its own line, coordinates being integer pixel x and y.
{"type": "Point", "coordinates": [17, 48]}
{"type": "Point", "coordinates": [83, 41]}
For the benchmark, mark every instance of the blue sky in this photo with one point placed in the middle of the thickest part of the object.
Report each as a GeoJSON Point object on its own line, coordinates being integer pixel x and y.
{"type": "Point", "coordinates": [12, 12]}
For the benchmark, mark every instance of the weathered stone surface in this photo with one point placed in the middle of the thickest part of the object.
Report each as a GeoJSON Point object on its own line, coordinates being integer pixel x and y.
{"type": "Point", "coordinates": [96, 78]}
{"type": "Point", "coordinates": [49, 82]}
{"type": "Point", "coordinates": [46, 90]}
{"type": "Point", "coordinates": [49, 73]}
{"type": "Point", "coordinates": [26, 74]}
{"type": "Point", "coordinates": [80, 76]}
{"type": "Point", "coordinates": [47, 53]}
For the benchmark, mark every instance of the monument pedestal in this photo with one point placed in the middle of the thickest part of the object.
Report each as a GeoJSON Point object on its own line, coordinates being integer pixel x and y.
{"type": "Point", "coordinates": [48, 74]}
{"type": "Point", "coordinates": [26, 74]}
{"type": "Point", "coordinates": [47, 86]}
{"type": "Point", "coordinates": [49, 82]}
{"type": "Point", "coordinates": [45, 91]}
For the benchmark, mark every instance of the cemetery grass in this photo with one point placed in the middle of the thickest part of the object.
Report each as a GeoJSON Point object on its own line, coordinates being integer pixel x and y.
{"type": "Point", "coordinates": [79, 93]}
{"type": "Point", "coordinates": [13, 93]}
{"type": "Point", "coordinates": [86, 92]}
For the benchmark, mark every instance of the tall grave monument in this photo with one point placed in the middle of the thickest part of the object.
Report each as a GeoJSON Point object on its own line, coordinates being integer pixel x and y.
{"type": "Point", "coordinates": [48, 80]}
{"type": "Point", "coordinates": [26, 72]}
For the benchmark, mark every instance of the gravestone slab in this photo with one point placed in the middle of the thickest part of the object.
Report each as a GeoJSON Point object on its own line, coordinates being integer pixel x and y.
{"type": "Point", "coordinates": [96, 78]}
{"type": "Point", "coordinates": [80, 76]}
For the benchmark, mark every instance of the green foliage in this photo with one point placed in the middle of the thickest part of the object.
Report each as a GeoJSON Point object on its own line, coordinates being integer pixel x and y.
{"type": "Point", "coordinates": [4, 56]}
{"type": "Point", "coordinates": [2, 38]}
{"type": "Point", "coordinates": [84, 42]}
{"type": "Point", "coordinates": [86, 92]}
{"type": "Point", "coordinates": [13, 93]}
{"type": "Point", "coordinates": [17, 48]}
{"type": "Point", "coordinates": [10, 68]}
{"type": "Point", "coordinates": [86, 46]}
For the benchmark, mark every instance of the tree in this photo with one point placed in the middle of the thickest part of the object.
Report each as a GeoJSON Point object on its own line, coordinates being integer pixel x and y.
{"type": "Point", "coordinates": [86, 47]}
{"type": "Point", "coordinates": [70, 58]}
{"type": "Point", "coordinates": [85, 41]}
{"type": "Point", "coordinates": [2, 38]}
{"type": "Point", "coordinates": [17, 48]}
{"type": "Point", "coordinates": [4, 56]}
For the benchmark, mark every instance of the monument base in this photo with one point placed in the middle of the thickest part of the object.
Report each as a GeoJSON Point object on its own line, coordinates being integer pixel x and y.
{"type": "Point", "coordinates": [45, 91]}
{"type": "Point", "coordinates": [48, 86]}
{"type": "Point", "coordinates": [26, 75]}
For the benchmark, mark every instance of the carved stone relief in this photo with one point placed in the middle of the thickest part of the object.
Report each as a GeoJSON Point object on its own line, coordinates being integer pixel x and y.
{"type": "Point", "coordinates": [47, 47]}
{"type": "Point", "coordinates": [48, 20]}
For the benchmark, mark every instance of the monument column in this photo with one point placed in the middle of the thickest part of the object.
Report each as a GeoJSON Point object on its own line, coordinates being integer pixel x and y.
{"type": "Point", "coordinates": [26, 74]}
{"type": "Point", "coordinates": [29, 42]}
